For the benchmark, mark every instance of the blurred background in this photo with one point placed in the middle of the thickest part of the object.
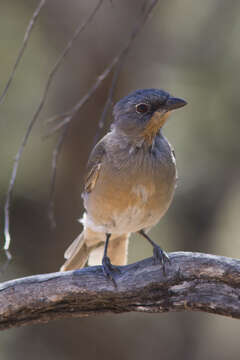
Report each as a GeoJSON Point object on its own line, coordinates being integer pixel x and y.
{"type": "Point", "coordinates": [189, 48]}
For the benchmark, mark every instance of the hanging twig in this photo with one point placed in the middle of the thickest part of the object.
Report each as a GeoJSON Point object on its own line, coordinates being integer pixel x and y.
{"type": "Point", "coordinates": [56, 66]}
{"type": "Point", "coordinates": [23, 47]}
{"type": "Point", "coordinates": [69, 115]}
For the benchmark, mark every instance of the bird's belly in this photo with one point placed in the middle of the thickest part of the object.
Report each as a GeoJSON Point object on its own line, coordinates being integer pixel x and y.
{"type": "Point", "coordinates": [127, 206]}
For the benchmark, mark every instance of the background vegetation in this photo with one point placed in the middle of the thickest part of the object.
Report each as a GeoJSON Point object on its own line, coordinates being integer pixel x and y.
{"type": "Point", "coordinates": [190, 49]}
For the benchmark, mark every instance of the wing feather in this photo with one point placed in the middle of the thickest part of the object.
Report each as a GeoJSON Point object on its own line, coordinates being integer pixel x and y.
{"type": "Point", "coordinates": [94, 166]}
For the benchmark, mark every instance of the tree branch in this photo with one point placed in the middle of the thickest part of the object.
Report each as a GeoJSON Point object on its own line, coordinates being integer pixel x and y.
{"type": "Point", "coordinates": [193, 282]}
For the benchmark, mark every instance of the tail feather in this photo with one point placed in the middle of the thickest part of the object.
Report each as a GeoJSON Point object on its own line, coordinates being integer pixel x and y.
{"type": "Point", "coordinates": [117, 251]}
{"type": "Point", "coordinates": [88, 246]}
{"type": "Point", "coordinates": [76, 254]}
{"type": "Point", "coordinates": [76, 244]}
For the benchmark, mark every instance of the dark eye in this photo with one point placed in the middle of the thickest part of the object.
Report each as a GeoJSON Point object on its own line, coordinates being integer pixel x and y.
{"type": "Point", "coordinates": [142, 108]}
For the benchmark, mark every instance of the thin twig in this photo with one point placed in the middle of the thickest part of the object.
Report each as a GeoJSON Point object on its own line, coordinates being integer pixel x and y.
{"type": "Point", "coordinates": [69, 115]}
{"type": "Point", "coordinates": [59, 61]}
{"type": "Point", "coordinates": [23, 47]}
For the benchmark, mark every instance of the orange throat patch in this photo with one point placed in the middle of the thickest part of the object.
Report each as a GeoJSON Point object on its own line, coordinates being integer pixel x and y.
{"type": "Point", "coordinates": [154, 124]}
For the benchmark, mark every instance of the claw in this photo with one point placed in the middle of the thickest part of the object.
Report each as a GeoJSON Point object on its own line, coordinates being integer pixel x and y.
{"type": "Point", "coordinates": [109, 270]}
{"type": "Point", "coordinates": [160, 257]}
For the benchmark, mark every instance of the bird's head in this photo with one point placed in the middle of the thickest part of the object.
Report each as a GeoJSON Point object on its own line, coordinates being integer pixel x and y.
{"type": "Point", "coordinates": [143, 112]}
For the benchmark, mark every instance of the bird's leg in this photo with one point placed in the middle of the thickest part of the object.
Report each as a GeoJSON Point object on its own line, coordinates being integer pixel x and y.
{"type": "Point", "coordinates": [108, 268]}
{"type": "Point", "coordinates": [159, 256]}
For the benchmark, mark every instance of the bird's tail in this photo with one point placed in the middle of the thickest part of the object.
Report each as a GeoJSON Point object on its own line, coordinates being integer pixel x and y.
{"type": "Point", "coordinates": [89, 246]}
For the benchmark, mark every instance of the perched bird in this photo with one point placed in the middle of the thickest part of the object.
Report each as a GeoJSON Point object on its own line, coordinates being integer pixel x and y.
{"type": "Point", "coordinates": [130, 181]}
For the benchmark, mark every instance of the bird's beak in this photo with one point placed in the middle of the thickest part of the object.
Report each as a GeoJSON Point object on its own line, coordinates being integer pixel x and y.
{"type": "Point", "coordinates": [160, 117]}
{"type": "Point", "coordinates": [174, 103]}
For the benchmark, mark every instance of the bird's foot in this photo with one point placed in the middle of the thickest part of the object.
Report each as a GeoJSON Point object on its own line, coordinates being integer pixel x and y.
{"type": "Point", "coordinates": [160, 257]}
{"type": "Point", "coordinates": [109, 269]}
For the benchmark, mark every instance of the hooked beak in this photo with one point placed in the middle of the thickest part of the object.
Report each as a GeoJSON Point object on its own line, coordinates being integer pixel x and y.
{"type": "Point", "coordinates": [174, 103]}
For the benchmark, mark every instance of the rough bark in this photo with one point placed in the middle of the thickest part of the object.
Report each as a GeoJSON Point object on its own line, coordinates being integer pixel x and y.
{"type": "Point", "coordinates": [193, 282]}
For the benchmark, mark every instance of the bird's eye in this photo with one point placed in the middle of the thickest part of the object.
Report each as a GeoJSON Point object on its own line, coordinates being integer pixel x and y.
{"type": "Point", "coordinates": [142, 108]}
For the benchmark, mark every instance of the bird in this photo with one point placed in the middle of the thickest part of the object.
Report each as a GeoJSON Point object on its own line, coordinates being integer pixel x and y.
{"type": "Point", "coordinates": [129, 183]}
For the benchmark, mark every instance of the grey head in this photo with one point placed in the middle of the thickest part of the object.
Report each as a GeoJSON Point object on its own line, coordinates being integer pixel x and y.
{"type": "Point", "coordinates": [136, 112]}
